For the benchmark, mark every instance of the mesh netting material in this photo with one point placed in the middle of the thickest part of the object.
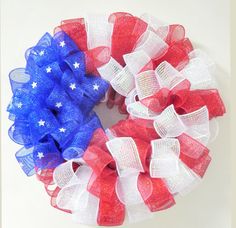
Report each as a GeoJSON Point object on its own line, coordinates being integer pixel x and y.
{"type": "Point", "coordinates": [137, 166]}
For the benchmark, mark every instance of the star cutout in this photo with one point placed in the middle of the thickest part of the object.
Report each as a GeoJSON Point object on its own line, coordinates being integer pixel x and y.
{"type": "Point", "coordinates": [62, 44]}
{"type": "Point", "coordinates": [76, 65]}
{"type": "Point", "coordinates": [41, 53]}
{"type": "Point", "coordinates": [49, 69]}
{"type": "Point", "coordinates": [72, 86]}
{"type": "Point", "coordinates": [40, 155]}
{"type": "Point", "coordinates": [34, 85]}
{"type": "Point", "coordinates": [34, 52]}
{"type": "Point", "coordinates": [19, 105]}
{"type": "Point", "coordinates": [58, 104]}
{"type": "Point", "coordinates": [95, 87]}
{"type": "Point", "coordinates": [63, 130]}
{"type": "Point", "coordinates": [41, 122]}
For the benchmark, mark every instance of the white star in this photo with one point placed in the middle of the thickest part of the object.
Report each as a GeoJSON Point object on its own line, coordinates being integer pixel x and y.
{"type": "Point", "coordinates": [41, 53]}
{"type": "Point", "coordinates": [19, 105]}
{"type": "Point", "coordinates": [34, 85]}
{"type": "Point", "coordinates": [62, 43]}
{"type": "Point", "coordinates": [95, 87]}
{"type": "Point", "coordinates": [72, 86]}
{"type": "Point", "coordinates": [58, 104]}
{"type": "Point", "coordinates": [13, 128]}
{"type": "Point", "coordinates": [41, 122]}
{"type": "Point", "coordinates": [21, 164]}
{"type": "Point", "coordinates": [40, 155]}
{"type": "Point", "coordinates": [62, 130]}
{"type": "Point", "coordinates": [49, 69]}
{"type": "Point", "coordinates": [76, 65]}
{"type": "Point", "coordinates": [34, 52]}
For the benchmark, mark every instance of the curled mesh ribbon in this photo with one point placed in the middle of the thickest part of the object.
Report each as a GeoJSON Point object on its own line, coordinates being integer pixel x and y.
{"type": "Point", "coordinates": [147, 68]}
{"type": "Point", "coordinates": [52, 103]}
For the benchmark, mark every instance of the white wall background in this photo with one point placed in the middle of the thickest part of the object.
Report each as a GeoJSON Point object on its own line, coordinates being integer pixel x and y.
{"type": "Point", "coordinates": [25, 203]}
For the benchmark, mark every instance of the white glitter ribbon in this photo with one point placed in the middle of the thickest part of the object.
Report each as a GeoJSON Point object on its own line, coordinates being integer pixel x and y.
{"type": "Point", "coordinates": [126, 156]}
{"type": "Point", "coordinates": [73, 195]}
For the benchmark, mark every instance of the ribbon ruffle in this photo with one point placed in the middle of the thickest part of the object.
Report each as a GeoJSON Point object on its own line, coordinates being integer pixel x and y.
{"type": "Point", "coordinates": [52, 102]}
{"type": "Point", "coordinates": [137, 166]}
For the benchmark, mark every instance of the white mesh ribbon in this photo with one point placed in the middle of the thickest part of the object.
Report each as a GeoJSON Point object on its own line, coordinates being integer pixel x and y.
{"type": "Point", "coordinates": [197, 53]}
{"type": "Point", "coordinates": [125, 79]}
{"type": "Point", "coordinates": [123, 82]}
{"type": "Point", "coordinates": [195, 124]}
{"type": "Point", "coordinates": [167, 75]}
{"type": "Point", "coordinates": [197, 71]}
{"type": "Point", "coordinates": [136, 83]}
{"type": "Point", "coordinates": [138, 110]}
{"type": "Point", "coordinates": [99, 31]}
{"type": "Point", "coordinates": [131, 98]}
{"type": "Point", "coordinates": [165, 163]}
{"type": "Point", "coordinates": [64, 175]}
{"type": "Point", "coordinates": [183, 182]}
{"type": "Point", "coordinates": [125, 153]}
{"type": "Point", "coordinates": [165, 158]}
{"type": "Point", "coordinates": [128, 193]}
{"type": "Point", "coordinates": [146, 84]}
{"type": "Point", "coordinates": [120, 78]}
{"type": "Point", "coordinates": [136, 61]}
{"type": "Point", "coordinates": [87, 209]}
{"type": "Point", "coordinates": [126, 156]}
{"type": "Point", "coordinates": [135, 108]}
{"type": "Point", "coordinates": [151, 44]}
{"type": "Point", "coordinates": [154, 24]}
{"type": "Point", "coordinates": [109, 70]}
{"type": "Point", "coordinates": [168, 123]}
{"type": "Point", "coordinates": [73, 195]}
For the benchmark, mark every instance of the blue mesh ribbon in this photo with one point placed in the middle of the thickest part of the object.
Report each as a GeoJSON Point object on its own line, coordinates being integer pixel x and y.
{"type": "Point", "coordinates": [52, 104]}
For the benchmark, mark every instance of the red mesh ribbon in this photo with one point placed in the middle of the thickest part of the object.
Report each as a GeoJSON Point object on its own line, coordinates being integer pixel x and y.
{"type": "Point", "coordinates": [46, 177]}
{"type": "Point", "coordinates": [102, 183]}
{"type": "Point", "coordinates": [95, 58]}
{"type": "Point", "coordinates": [127, 29]}
{"type": "Point", "coordinates": [123, 43]}
{"type": "Point", "coordinates": [115, 99]}
{"type": "Point", "coordinates": [194, 154]}
{"type": "Point", "coordinates": [75, 29]}
{"type": "Point", "coordinates": [111, 210]}
{"type": "Point", "coordinates": [103, 180]}
{"type": "Point", "coordinates": [198, 98]}
{"type": "Point", "coordinates": [177, 54]}
{"type": "Point", "coordinates": [135, 128]}
{"type": "Point", "coordinates": [176, 33]}
{"type": "Point", "coordinates": [154, 193]}
{"type": "Point", "coordinates": [186, 101]}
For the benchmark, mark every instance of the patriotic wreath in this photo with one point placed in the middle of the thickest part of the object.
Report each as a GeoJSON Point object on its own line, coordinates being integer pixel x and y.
{"type": "Point", "coordinates": [137, 166]}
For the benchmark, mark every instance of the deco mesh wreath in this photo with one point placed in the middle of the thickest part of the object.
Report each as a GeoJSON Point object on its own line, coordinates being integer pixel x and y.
{"type": "Point", "coordinates": [137, 166]}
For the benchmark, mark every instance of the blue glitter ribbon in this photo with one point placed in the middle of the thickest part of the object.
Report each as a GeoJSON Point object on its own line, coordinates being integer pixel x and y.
{"type": "Point", "coordinates": [52, 104]}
